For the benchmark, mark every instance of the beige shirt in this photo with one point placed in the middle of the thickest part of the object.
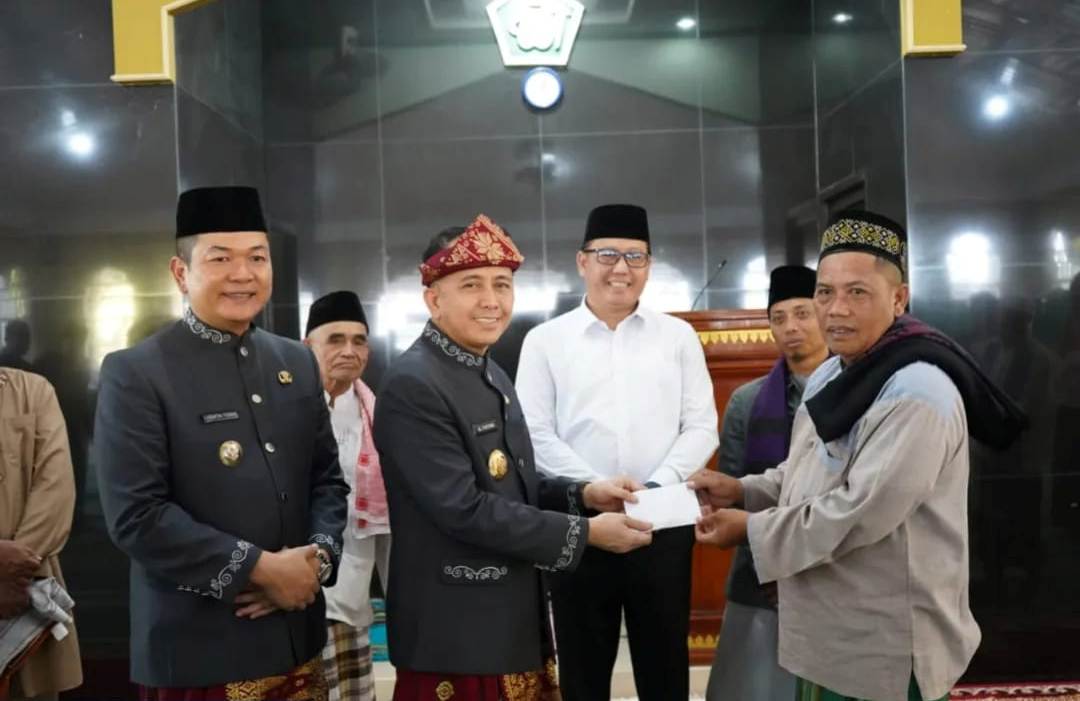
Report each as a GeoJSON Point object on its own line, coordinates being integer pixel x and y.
{"type": "Point", "coordinates": [37, 499]}
{"type": "Point", "coordinates": [867, 538]}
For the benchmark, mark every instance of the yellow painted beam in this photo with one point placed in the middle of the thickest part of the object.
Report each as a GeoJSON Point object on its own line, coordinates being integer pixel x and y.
{"type": "Point", "coordinates": [931, 27]}
{"type": "Point", "coordinates": [144, 49]}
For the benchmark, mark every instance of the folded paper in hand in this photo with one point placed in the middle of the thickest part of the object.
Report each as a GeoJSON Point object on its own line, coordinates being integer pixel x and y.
{"type": "Point", "coordinates": [666, 507]}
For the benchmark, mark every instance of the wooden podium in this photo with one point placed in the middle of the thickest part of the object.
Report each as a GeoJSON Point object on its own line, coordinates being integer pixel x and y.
{"type": "Point", "coordinates": [738, 348]}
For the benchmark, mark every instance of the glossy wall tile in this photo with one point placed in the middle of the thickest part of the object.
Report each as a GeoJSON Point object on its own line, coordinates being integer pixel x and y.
{"type": "Point", "coordinates": [994, 215]}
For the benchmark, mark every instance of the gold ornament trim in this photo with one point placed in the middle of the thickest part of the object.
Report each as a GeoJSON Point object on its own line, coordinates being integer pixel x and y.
{"type": "Point", "coordinates": [702, 642]}
{"type": "Point", "coordinates": [735, 336]}
{"type": "Point", "coordinates": [445, 691]}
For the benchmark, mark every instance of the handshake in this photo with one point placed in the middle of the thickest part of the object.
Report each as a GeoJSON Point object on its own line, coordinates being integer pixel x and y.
{"type": "Point", "coordinates": [286, 580]}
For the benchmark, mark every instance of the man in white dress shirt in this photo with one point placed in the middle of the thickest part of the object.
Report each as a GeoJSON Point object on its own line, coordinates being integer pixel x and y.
{"type": "Point", "coordinates": [337, 332]}
{"type": "Point", "coordinates": [610, 389]}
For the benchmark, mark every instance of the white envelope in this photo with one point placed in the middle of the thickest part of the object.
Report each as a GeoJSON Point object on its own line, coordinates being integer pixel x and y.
{"type": "Point", "coordinates": [666, 507]}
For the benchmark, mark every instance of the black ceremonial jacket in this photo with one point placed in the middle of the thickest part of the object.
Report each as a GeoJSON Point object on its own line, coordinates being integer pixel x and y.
{"type": "Point", "coordinates": [466, 508]}
{"type": "Point", "coordinates": [211, 448]}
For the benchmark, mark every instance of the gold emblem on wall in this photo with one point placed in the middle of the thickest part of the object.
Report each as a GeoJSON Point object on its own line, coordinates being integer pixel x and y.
{"type": "Point", "coordinates": [498, 465]}
{"type": "Point", "coordinates": [230, 453]}
{"type": "Point", "coordinates": [445, 691]}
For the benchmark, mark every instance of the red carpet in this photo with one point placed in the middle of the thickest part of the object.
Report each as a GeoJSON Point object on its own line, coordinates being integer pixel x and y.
{"type": "Point", "coordinates": [1057, 691]}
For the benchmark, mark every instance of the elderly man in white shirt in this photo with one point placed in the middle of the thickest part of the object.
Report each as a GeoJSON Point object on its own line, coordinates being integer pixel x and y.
{"type": "Point", "coordinates": [612, 389]}
{"type": "Point", "coordinates": [337, 332]}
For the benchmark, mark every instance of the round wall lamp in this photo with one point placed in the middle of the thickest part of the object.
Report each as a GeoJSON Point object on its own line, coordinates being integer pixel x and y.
{"type": "Point", "coordinates": [541, 88]}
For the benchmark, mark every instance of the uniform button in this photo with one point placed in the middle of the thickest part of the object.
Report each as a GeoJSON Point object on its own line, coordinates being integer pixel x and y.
{"type": "Point", "coordinates": [284, 497]}
{"type": "Point", "coordinates": [269, 447]}
{"type": "Point", "coordinates": [244, 351]}
{"type": "Point", "coordinates": [521, 462]}
{"type": "Point", "coordinates": [256, 398]}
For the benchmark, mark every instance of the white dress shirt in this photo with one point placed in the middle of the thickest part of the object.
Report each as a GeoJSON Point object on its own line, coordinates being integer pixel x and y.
{"type": "Point", "coordinates": [636, 400]}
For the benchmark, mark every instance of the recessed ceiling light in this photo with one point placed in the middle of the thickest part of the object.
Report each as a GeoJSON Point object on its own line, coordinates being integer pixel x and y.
{"type": "Point", "coordinates": [541, 88]}
{"type": "Point", "coordinates": [80, 144]}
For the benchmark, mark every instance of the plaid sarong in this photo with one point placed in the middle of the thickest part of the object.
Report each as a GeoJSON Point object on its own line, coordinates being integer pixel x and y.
{"type": "Point", "coordinates": [305, 683]}
{"type": "Point", "coordinates": [809, 691]}
{"type": "Point", "coordinates": [347, 663]}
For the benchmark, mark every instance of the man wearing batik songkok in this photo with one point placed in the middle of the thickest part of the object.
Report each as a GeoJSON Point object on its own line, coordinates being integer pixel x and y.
{"type": "Point", "coordinates": [864, 526]}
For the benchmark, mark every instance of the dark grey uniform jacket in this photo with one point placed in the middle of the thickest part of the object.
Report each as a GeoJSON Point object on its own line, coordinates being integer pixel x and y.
{"type": "Point", "coordinates": [466, 594]}
{"type": "Point", "coordinates": [194, 526]}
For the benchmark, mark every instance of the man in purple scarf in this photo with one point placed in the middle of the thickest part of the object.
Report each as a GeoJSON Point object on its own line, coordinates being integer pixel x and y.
{"type": "Point", "coordinates": [756, 432]}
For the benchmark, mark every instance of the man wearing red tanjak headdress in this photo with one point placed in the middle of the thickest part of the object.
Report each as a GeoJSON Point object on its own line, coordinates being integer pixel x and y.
{"type": "Point", "coordinates": [475, 524]}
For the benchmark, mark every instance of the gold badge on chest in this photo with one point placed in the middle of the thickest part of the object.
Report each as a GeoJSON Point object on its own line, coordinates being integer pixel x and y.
{"type": "Point", "coordinates": [498, 465]}
{"type": "Point", "coordinates": [284, 377]}
{"type": "Point", "coordinates": [230, 453]}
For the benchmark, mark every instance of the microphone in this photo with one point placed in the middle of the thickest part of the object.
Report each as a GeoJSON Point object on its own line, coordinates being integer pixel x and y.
{"type": "Point", "coordinates": [719, 267]}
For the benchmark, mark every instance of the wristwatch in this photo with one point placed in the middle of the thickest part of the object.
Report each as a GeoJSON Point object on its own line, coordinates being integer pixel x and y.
{"type": "Point", "coordinates": [326, 567]}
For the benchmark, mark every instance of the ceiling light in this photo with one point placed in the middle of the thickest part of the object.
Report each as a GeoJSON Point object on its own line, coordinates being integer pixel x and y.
{"type": "Point", "coordinates": [686, 23]}
{"type": "Point", "coordinates": [996, 107]}
{"type": "Point", "coordinates": [80, 144]}
{"type": "Point", "coordinates": [842, 18]}
{"type": "Point", "coordinates": [541, 88]}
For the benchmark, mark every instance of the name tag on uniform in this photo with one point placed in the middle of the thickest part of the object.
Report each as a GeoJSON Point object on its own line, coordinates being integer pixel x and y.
{"type": "Point", "coordinates": [219, 416]}
{"type": "Point", "coordinates": [485, 427]}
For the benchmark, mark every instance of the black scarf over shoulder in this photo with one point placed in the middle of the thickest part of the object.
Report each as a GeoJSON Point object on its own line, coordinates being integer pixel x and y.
{"type": "Point", "coordinates": [993, 417]}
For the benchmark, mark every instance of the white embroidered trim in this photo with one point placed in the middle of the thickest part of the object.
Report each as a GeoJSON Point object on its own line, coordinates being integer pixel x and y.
{"type": "Point", "coordinates": [323, 539]}
{"type": "Point", "coordinates": [451, 349]}
{"type": "Point", "coordinates": [225, 577]}
{"type": "Point", "coordinates": [483, 574]}
{"type": "Point", "coordinates": [566, 555]}
{"type": "Point", "coordinates": [203, 331]}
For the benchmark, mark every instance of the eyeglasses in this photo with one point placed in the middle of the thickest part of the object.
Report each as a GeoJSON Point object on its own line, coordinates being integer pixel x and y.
{"type": "Point", "coordinates": [611, 256]}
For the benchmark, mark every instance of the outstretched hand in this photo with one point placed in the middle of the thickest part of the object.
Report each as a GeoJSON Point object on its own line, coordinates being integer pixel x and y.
{"type": "Point", "coordinates": [609, 495]}
{"type": "Point", "coordinates": [724, 528]}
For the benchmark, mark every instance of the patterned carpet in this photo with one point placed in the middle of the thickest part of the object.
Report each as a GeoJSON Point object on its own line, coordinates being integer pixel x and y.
{"type": "Point", "coordinates": [1058, 691]}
